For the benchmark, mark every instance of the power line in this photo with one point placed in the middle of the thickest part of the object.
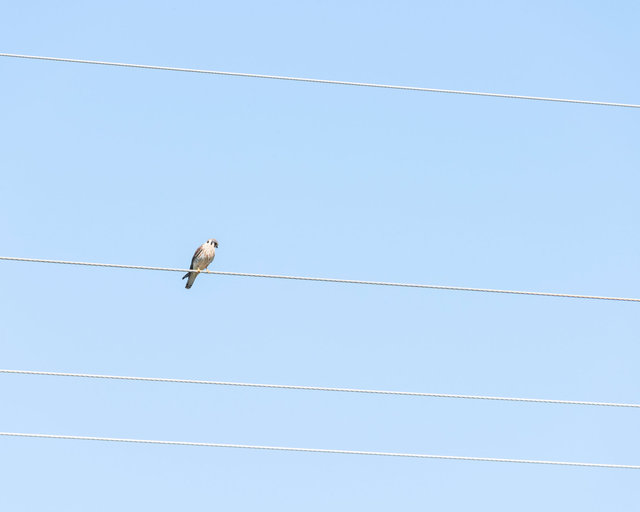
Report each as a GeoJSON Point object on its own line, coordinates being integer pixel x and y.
{"type": "Point", "coordinates": [319, 81]}
{"type": "Point", "coordinates": [327, 279]}
{"type": "Point", "coordinates": [320, 450]}
{"type": "Point", "coordinates": [316, 388]}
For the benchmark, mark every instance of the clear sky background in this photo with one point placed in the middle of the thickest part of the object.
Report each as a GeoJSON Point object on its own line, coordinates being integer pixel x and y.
{"type": "Point", "coordinates": [140, 167]}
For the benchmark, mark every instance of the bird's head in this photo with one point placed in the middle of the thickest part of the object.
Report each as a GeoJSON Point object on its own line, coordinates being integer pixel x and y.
{"type": "Point", "coordinates": [213, 242]}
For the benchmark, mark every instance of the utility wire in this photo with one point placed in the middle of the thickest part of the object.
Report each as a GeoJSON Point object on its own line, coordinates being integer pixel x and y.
{"type": "Point", "coordinates": [319, 81]}
{"type": "Point", "coordinates": [320, 450]}
{"type": "Point", "coordinates": [326, 279]}
{"type": "Point", "coordinates": [317, 388]}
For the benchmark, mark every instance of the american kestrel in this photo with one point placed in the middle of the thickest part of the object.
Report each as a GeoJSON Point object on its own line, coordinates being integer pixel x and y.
{"type": "Point", "coordinates": [201, 260]}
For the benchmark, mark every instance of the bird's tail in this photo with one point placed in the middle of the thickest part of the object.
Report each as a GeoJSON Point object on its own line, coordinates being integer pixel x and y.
{"type": "Point", "coordinates": [192, 277]}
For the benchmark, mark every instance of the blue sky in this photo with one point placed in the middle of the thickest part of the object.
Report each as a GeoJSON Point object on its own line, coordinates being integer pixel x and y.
{"type": "Point", "coordinates": [140, 167]}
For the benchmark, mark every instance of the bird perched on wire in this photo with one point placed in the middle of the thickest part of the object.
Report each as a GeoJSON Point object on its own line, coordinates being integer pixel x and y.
{"type": "Point", "coordinates": [201, 260]}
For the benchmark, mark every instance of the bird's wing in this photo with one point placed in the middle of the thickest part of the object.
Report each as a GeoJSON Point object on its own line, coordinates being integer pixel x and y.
{"type": "Point", "coordinates": [196, 255]}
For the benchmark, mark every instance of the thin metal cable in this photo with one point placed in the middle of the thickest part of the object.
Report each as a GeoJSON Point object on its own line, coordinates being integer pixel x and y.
{"type": "Point", "coordinates": [319, 81]}
{"type": "Point", "coordinates": [320, 450]}
{"type": "Point", "coordinates": [317, 388]}
{"type": "Point", "coordinates": [327, 280]}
